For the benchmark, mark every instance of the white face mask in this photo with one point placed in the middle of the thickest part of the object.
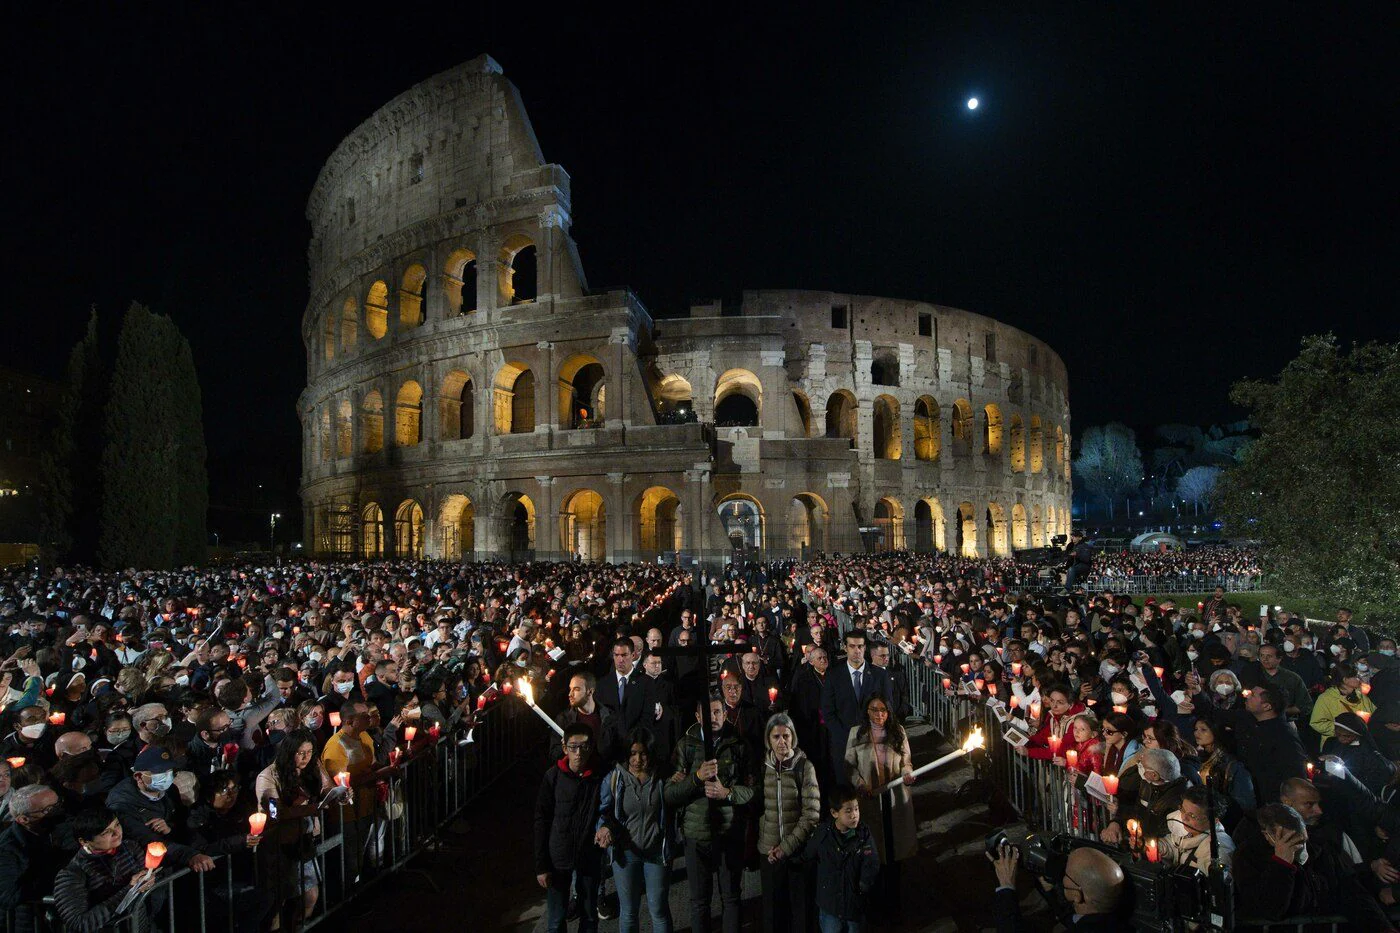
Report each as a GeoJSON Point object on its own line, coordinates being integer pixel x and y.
{"type": "Point", "coordinates": [344, 687]}
{"type": "Point", "coordinates": [316, 657]}
{"type": "Point", "coordinates": [956, 652]}
{"type": "Point", "coordinates": [1362, 667]}
{"type": "Point", "coordinates": [34, 731]}
{"type": "Point", "coordinates": [1336, 650]}
{"type": "Point", "coordinates": [182, 679]}
{"type": "Point", "coordinates": [1289, 647]}
{"type": "Point", "coordinates": [1388, 652]}
{"type": "Point", "coordinates": [1120, 699]}
{"type": "Point", "coordinates": [78, 664]}
{"type": "Point", "coordinates": [1193, 655]}
{"type": "Point", "coordinates": [1225, 688]}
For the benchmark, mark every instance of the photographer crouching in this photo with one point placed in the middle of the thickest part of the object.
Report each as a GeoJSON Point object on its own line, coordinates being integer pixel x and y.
{"type": "Point", "coordinates": [1080, 556]}
{"type": "Point", "coordinates": [1092, 887]}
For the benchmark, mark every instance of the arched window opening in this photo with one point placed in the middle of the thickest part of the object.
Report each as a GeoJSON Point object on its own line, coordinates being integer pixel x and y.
{"type": "Point", "coordinates": [349, 325]}
{"type": "Point", "coordinates": [514, 400]}
{"type": "Point", "coordinates": [804, 412]}
{"type": "Point", "coordinates": [517, 529]}
{"type": "Point", "coordinates": [998, 540]}
{"type": "Point", "coordinates": [581, 394]}
{"type": "Point", "coordinates": [1059, 450]}
{"type": "Point", "coordinates": [841, 415]}
{"type": "Point", "coordinates": [962, 427]}
{"type": "Point", "coordinates": [459, 281]}
{"type": "Point", "coordinates": [929, 526]}
{"type": "Point", "coordinates": [327, 438]}
{"type": "Point", "coordinates": [457, 526]}
{"type": "Point", "coordinates": [991, 431]}
{"type": "Point", "coordinates": [742, 521]}
{"type": "Point", "coordinates": [377, 310]}
{"type": "Point", "coordinates": [1037, 445]}
{"type": "Point", "coordinates": [408, 530]}
{"type": "Point", "coordinates": [458, 406]}
{"type": "Point", "coordinates": [967, 530]}
{"type": "Point", "coordinates": [517, 271]}
{"type": "Point", "coordinates": [1037, 526]}
{"type": "Point", "coordinates": [1018, 445]}
{"type": "Point", "coordinates": [675, 401]}
{"type": "Point", "coordinates": [926, 429]}
{"type": "Point", "coordinates": [1020, 527]}
{"type": "Point", "coordinates": [884, 370]}
{"type": "Point", "coordinates": [372, 531]}
{"type": "Point", "coordinates": [583, 526]}
{"type": "Point", "coordinates": [658, 522]}
{"type": "Point", "coordinates": [738, 399]}
{"type": "Point", "coordinates": [411, 296]}
{"type": "Point", "coordinates": [889, 439]}
{"type": "Point", "coordinates": [889, 519]}
{"type": "Point", "coordinates": [372, 422]}
{"type": "Point", "coordinates": [408, 415]}
{"type": "Point", "coordinates": [807, 525]}
{"type": "Point", "coordinates": [344, 430]}
{"type": "Point", "coordinates": [328, 334]}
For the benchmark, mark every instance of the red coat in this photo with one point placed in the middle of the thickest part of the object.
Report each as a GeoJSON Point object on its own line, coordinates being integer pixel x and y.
{"type": "Point", "coordinates": [1090, 756]}
{"type": "Point", "coordinates": [1039, 744]}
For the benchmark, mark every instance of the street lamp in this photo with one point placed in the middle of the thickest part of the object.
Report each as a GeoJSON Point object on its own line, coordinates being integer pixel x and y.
{"type": "Point", "coordinates": [272, 531]}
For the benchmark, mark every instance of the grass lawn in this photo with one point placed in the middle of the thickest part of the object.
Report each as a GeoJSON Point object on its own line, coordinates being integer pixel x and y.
{"type": "Point", "coordinates": [1251, 601]}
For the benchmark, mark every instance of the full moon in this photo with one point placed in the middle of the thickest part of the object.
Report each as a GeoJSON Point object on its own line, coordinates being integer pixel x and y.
{"type": "Point", "coordinates": [972, 103]}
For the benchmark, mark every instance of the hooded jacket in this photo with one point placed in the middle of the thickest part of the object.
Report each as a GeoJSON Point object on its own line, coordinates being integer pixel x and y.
{"type": "Point", "coordinates": [792, 804]}
{"type": "Point", "coordinates": [566, 816]}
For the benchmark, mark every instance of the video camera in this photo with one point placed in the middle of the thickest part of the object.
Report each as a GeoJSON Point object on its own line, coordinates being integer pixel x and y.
{"type": "Point", "coordinates": [1159, 898]}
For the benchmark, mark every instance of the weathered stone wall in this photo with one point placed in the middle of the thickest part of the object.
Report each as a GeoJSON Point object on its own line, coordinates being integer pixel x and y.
{"type": "Point", "coordinates": [450, 410]}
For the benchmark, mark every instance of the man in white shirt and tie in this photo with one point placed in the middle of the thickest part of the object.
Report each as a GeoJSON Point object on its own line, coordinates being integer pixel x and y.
{"type": "Point", "coordinates": [844, 693]}
{"type": "Point", "coordinates": [622, 692]}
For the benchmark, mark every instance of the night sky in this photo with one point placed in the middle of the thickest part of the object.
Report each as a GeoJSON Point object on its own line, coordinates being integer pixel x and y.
{"type": "Point", "coordinates": [1170, 199]}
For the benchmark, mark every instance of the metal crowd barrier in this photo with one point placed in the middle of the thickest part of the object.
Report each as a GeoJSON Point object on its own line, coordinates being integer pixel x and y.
{"type": "Point", "coordinates": [1162, 584]}
{"type": "Point", "coordinates": [311, 883]}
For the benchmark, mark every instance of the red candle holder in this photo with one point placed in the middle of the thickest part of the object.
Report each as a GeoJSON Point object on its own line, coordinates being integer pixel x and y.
{"type": "Point", "coordinates": [155, 851]}
{"type": "Point", "coordinates": [256, 823]}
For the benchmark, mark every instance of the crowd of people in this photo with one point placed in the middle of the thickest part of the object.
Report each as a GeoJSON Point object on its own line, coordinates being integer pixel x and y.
{"type": "Point", "coordinates": [1206, 561]}
{"type": "Point", "coordinates": [752, 719]}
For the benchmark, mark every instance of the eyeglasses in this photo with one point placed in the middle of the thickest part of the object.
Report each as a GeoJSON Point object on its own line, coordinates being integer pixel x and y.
{"type": "Point", "coordinates": [1108, 731]}
{"type": "Point", "coordinates": [577, 746]}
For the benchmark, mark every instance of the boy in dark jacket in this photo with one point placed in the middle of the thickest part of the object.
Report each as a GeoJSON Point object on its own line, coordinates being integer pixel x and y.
{"type": "Point", "coordinates": [847, 865]}
{"type": "Point", "coordinates": [566, 813]}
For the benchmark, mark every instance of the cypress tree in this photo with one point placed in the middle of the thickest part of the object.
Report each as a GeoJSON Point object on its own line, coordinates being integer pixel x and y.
{"type": "Point", "coordinates": [139, 474]}
{"type": "Point", "coordinates": [72, 490]}
{"type": "Point", "coordinates": [192, 478]}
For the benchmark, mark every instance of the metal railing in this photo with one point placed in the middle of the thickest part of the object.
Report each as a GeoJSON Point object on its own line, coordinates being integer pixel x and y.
{"type": "Point", "coordinates": [309, 877]}
{"type": "Point", "coordinates": [1175, 583]}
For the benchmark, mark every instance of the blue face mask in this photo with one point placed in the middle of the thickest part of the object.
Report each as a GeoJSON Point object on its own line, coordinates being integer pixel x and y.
{"type": "Point", "coordinates": [161, 782]}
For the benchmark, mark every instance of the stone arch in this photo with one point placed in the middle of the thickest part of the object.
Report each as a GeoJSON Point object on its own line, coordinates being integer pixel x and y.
{"type": "Point", "coordinates": [841, 415]}
{"type": "Point", "coordinates": [927, 429]}
{"type": "Point", "coordinates": [675, 400]}
{"type": "Point", "coordinates": [808, 521]}
{"type": "Point", "coordinates": [962, 427]}
{"type": "Point", "coordinates": [372, 422]}
{"type": "Point", "coordinates": [516, 525]}
{"type": "Point", "coordinates": [408, 415]}
{"type": "Point", "coordinates": [1037, 526]}
{"type": "Point", "coordinates": [457, 527]}
{"type": "Point", "coordinates": [886, 429]}
{"type": "Point", "coordinates": [889, 518]}
{"type": "Point", "coordinates": [372, 531]}
{"type": "Point", "coordinates": [344, 429]}
{"type": "Point", "coordinates": [738, 399]}
{"type": "Point", "coordinates": [328, 334]}
{"type": "Point", "coordinates": [581, 392]}
{"type": "Point", "coordinates": [804, 411]}
{"type": "Point", "coordinates": [658, 512]}
{"type": "Point", "coordinates": [1018, 445]}
{"type": "Point", "coordinates": [513, 399]}
{"type": "Point", "coordinates": [408, 530]}
{"type": "Point", "coordinates": [411, 296]}
{"type": "Point", "coordinates": [457, 407]}
{"type": "Point", "coordinates": [327, 438]}
{"type": "Point", "coordinates": [1020, 527]}
{"type": "Point", "coordinates": [884, 369]}
{"type": "Point", "coordinates": [967, 530]}
{"type": "Point", "coordinates": [377, 310]}
{"type": "Point", "coordinates": [998, 540]}
{"type": "Point", "coordinates": [929, 526]}
{"type": "Point", "coordinates": [349, 325]}
{"type": "Point", "coordinates": [459, 281]}
{"type": "Point", "coordinates": [741, 517]}
{"type": "Point", "coordinates": [991, 431]}
{"type": "Point", "coordinates": [583, 526]}
{"type": "Point", "coordinates": [1037, 445]}
{"type": "Point", "coordinates": [1059, 450]}
{"type": "Point", "coordinates": [517, 270]}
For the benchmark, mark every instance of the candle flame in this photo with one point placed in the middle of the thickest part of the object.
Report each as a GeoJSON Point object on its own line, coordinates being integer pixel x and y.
{"type": "Point", "coordinates": [527, 692]}
{"type": "Point", "coordinates": [975, 740]}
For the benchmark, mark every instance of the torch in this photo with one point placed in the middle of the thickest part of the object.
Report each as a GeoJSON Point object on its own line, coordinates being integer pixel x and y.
{"type": "Point", "coordinates": [527, 694]}
{"type": "Point", "coordinates": [975, 740]}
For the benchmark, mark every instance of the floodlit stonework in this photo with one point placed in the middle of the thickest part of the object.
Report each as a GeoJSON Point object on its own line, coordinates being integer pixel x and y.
{"type": "Point", "coordinates": [469, 397]}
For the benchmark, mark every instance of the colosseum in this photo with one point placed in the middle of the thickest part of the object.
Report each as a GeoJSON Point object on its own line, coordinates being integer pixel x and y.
{"type": "Point", "coordinates": [469, 396]}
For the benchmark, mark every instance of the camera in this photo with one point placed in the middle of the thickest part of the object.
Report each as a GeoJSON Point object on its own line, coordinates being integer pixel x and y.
{"type": "Point", "coordinates": [1158, 899]}
{"type": "Point", "coordinates": [1059, 540]}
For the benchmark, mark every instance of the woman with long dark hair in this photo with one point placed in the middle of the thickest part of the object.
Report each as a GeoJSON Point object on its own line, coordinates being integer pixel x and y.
{"type": "Point", "coordinates": [290, 791]}
{"type": "Point", "coordinates": [877, 754]}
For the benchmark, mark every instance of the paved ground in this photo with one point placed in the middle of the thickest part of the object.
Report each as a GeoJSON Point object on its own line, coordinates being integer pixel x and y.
{"type": "Point", "coordinates": [482, 877]}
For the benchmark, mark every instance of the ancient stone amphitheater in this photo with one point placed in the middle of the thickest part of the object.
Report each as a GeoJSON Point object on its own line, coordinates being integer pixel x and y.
{"type": "Point", "coordinates": [468, 395]}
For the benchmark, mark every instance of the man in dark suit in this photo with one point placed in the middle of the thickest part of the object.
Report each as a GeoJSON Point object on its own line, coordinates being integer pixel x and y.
{"type": "Point", "coordinates": [621, 691]}
{"type": "Point", "coordinates": [844, 692]}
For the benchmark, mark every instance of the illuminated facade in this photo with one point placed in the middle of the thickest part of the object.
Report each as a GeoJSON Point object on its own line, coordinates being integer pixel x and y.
{"type": "Point", "coordinates": [468, 396]}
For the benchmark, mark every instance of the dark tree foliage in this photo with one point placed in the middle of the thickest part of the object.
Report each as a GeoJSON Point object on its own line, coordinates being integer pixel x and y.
{"type": "Point", "coordinates": [72, 488]}
{"type": "Point", "coordinates": [1321, 487]}
{"type": "Point", "coordinates": [155, 489]}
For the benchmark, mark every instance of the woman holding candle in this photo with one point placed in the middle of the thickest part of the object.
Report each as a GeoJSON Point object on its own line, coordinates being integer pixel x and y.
{"type": "Point", "coordinates": [1086, 742]}
{"type": "Point", "coordinates": [1059, 708]}
{"type": "Point", "coordinates": [290, 791]}
{"type": "Point", "coordinates": [89, 890]}
{"type": "Point", "coordinates": [219, 825]}
{"type": "Point", "coordinates": [878, 753]}
{"type": "Point", "coordinates": [1120, 741]}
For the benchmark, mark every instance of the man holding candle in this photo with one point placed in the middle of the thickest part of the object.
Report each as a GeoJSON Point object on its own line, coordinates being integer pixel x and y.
{"type": "Point", "coordinates": [351, 750]}
{"type": "Point", "coordinates": [31, 739]}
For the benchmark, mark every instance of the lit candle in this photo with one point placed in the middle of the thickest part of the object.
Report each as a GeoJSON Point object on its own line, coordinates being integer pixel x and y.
{"type": "Point", "coordinates": [58, 718]}
{"type": "Point", "coordinates": [1054, 742]}
{"type": "Point", "coordinates": [435, 731]}
{"type": "Point", "coordinates": [155, 851]}
{"type": "Point", "coordinates": [1015, 668]}
{"type": "Point", "coordinates": [343, 779]}
{"type": "Point", "coordinates": [335, 720]}
{"type": "Point", "coordinates": [256, 823]}
{"type": "Point", "coordinates": [409, 733]}
{"type": "Point", "coordinates": [1159, 671]}
{"type": "Point", "coordinates": [1110, 784]}
{"type": "Point", "coordinates": [1134, 831]}
{"type": "Point", "coordinates": [1364, 714]}
{"type": "Point", "coordinates": [480, 702]}
{"type": "Point", "coordinates": [772, 695]}
{"type": "Point", "coordinates": [1152, 855]}
{"type": "Point", "coordinates": [1310, 770]}
{"type": "Point", "coordinates": [16, 762]}
{"type": "Point", "coordinates": [966, 668]}
{"type": "Point", "coordinates": [947, 683]}
{"type": "Point", "coordinates": [1365, 689]}
{"type": "Point", "coordinates": [992, 689]}
{"type": "Point", "coordinates": [1120, 709]}
{"type": "Point", "coordinates": [1015, 701]}
{"type": "Point", "coordinates": [507, 688]}
{"type": "Point", "coordinates": [1035, 710]}
{"type": "Point", "coordinates": [979, 683]}
{"type": "Point", "coordinates": [394, 755]}
{"type": "Point", "coordinates": [1072, 758]}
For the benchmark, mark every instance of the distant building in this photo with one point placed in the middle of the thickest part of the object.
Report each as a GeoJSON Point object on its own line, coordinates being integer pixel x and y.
{"type": "Point", "coordinates": [469, 396]}
{"type": "Point", "coordinates": [28, 410]}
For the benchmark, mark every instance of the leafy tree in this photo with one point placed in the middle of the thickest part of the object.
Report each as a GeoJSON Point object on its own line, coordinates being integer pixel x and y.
{"type": "Point", "coordinates": [1321, 488]}
{"type": "Point", "coordinates": [1109, 464]}
{"type": "Point", "coordinates": [1197, 485]}
{"type": "Point", "coordinates": [72, 492]}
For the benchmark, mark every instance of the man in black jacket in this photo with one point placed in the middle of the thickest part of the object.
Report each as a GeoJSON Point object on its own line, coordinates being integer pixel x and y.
{"type": "Point", "coordinates": [1093, 885]}
{"type": "Point", "coordinates": [566, 814]}
{"type": "Point", "coordinates": [32, 852]}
